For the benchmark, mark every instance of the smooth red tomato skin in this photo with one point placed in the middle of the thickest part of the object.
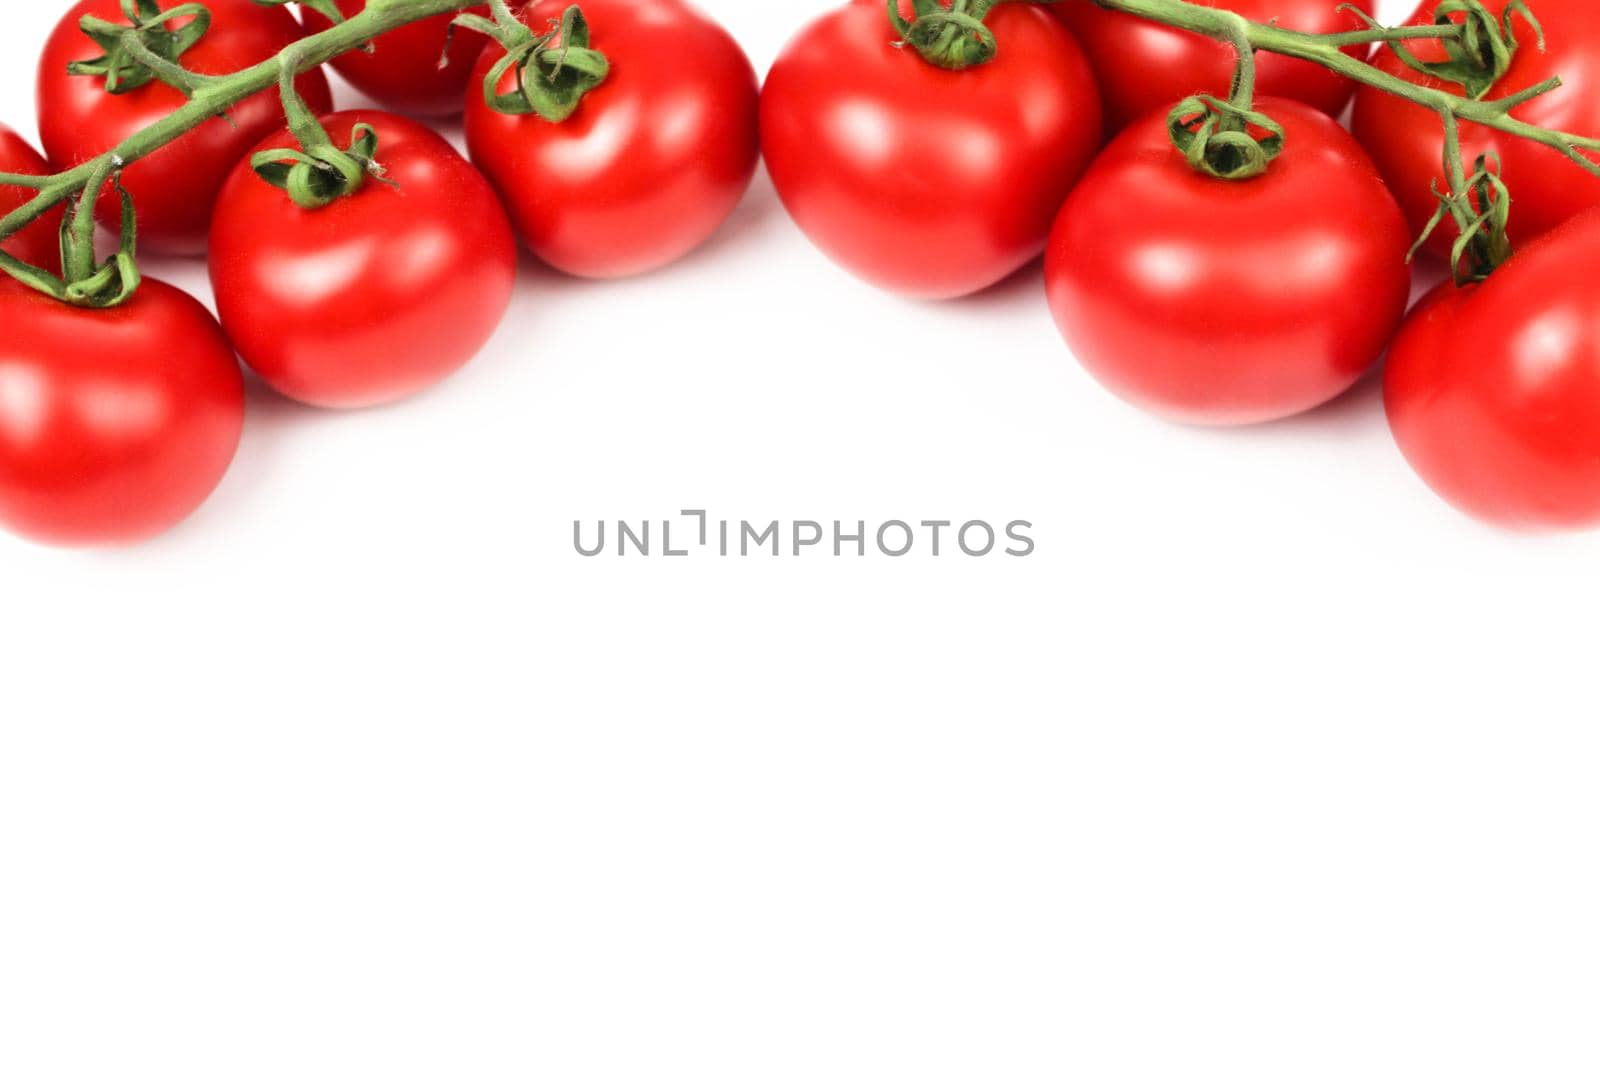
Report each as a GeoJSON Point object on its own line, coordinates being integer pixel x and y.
{"type": "Point", "coordinates": [1143, 66]}
{"type": "Point", "coordinates": [39, 243]}
{"type": "Point", "coordinates": [174, 187]}
{"type": "Point", "coordinates": [115, 425]}
{"type": "Point", "coordinates": [1493, 391]}
{"type": "Point", "coordinates": [403, 72]}
{"type": "Point", "coordinates": [1407, 141]}
{"type": "Point", "coordinates": [380, 294]}
{"type": "Point", "coordinates": [1229, 303]}
{"type": "Point", "coordinates": [927, 182]}
{"type": "Point", "coordinates": [653, 161]}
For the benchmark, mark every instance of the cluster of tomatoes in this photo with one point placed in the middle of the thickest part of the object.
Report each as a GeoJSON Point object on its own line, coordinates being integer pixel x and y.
{"type": "Point", "coordinates": [1204, 300]}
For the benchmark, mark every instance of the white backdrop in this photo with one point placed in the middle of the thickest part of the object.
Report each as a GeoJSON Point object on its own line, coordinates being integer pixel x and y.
{"type": "Point", "coordinates": [1264, 757]}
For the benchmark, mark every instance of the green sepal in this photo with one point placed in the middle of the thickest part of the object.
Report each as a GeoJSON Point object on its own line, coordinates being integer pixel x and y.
{"type": "Point", "coordinates": [551, 79]}
{"type": "Point", "coordinates": [1483, 52]}
{"type": "Point", "coordinates": [953, 37]}
{"type": "Point", "coordinates": [124, 72]}
{"type": "Point", "coordinates": [85, 283]}
{"type": "Point", "coordinates": [1214, 136]}
{"type": "Point", "coordinates": [1483, 244]}
{"type": "Point", "coordinates": [317, 177]}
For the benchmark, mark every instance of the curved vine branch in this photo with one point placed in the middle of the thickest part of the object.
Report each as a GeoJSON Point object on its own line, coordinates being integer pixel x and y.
{"type": "Point", "coordinates": [211, 97]}
{"type": "Point", "coordinates": [1326, 50]}
{"type": "Point", "coordinates": [933, 30]}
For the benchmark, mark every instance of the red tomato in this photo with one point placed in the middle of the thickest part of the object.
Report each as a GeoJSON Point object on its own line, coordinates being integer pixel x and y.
{"type": "Point", "coordinates": [116, 424]}
{"type": "Point", "coordinates": [1144, 66]}
{"type": "Point", "coordinates": [1493, 391]}
{"type": "Point", "coordinates": [1407, 141]}
{"type": "Point", "coordinates": [928, 182]}
{"type": "Point", "coordinates": [651, 163]}
{"type": "Point", "coordinates": [376, 296]}
{"type": "Point", "coordinates": [40, 243]}
{"type": "Point", "coordinates": [403, 70]}
{"type": "Point", "coordinates": [174, 187]}
{"type": "Point", "coordinates": [1219, 302]}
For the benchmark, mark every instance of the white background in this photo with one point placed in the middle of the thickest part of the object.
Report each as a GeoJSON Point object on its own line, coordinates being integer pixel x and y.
{"type": "Point", "coordinates": [1265, 758]}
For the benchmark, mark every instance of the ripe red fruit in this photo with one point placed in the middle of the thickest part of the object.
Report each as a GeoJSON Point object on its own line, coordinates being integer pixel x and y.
{"type": "Point", "coordinates": [1493, 391]}
{"type": "Point", "coordinates": [376, 296]}
{"type": "Point", "coordinates": [924, 181]}
{"type": "Point", "coordinates": [115, 424]}
{"type": "Point", "coordinates": [653, 160]}
{"type": "Point", "coordinates": [1230, 302]}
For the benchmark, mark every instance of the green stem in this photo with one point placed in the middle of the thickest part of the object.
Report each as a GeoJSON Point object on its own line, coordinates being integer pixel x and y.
{"type": "Point", "coordinates": [77, 247]}
{"type": "Point", "coordinates": [1480, 206]}
{"type": "Point", "coordinates": [1324, 50]}
{"type": "Point", "coordinates": [1237, 35]}
{"type": "Point", "coordinates": [186, 82]}
{"type": "Point", "coordinates": [299, 118]}
{"type": "Point", "coordinates": [318, 173]}
{"type": "Point", "coordinates": [1357, 38]}
{"type": "Point", "coordinates": [215, 96]}
{"type": "Point", "coordinates": [945, 31]}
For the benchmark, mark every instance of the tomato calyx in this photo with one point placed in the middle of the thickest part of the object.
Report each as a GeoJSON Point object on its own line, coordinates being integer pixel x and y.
{"type": "Point", "coordinates": [322, 173]}
{"type": "Point", "coordinates": [143, 49]}
{"type": "Point", "coordinates": [319, 172]}
{"type": "Point", "coordinates": [954, 37]}
{"type": "Point", "coordinates": [1480, 206]}
{"type": "Point", "coordinates": [1218, 137]}
{"type": "Point", "coordinates": [555, 70]}
{"type": "Point", "coordinates": [1481, 52]}
{"type": "Point", "coordinates": [84, 281]}
{"type": "Point", "coordinates": [1215, 137]}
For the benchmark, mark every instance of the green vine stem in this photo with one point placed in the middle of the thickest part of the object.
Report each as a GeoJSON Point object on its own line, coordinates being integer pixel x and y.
{"type": "Point", "coordinates": [212, 97]}
{"type": "Point", "coordinates": [1480, 206]}
{"type": "Point", "coordinates": [554, 70]}
{"type": "Point", "coordinates": [949, 32]}
{"type": "Point", "coordinates": [1326, 51]}
{"type": "Point", "coordinates": [319, 172]}
{"type": "Point", "coordinates": [953, 35]}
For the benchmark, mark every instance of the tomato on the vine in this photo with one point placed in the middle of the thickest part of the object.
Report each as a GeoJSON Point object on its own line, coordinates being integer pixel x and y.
{"type": "Point", "coordinates": [174, 187]}
{"type": "Point", "coordinates": [653, 160]}
{"type": "Point", "coordinates": [925, 181]}
{"type": "Point", "coordinates": [377, 295]}
{"type": "Point", "coordinates": [1230, 302]}
{"type": "Point", "coordinates": [1493, 390]}
{"type": "Point", "coordinates": [1143, 66]}
{"type": "Point", "coordinates": [115, 424]}
{"type": "Point", "coordinates": [1407, 141]}
{"type": "Point", "coordinates": [39, 243]}
{"type": "Point", "coordinates": [421, 68]}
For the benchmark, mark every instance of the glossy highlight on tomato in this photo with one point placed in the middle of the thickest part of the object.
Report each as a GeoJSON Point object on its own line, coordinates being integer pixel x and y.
{"type": "Point", "coordinates": [1144, 66]}
{"type": "Point", "coordinates": [174, 187]}
{"type": "Point", "coordinates": [1407, 141]}
{"type": "Point", "coordinates": [1226, 303]}
{"type": "Point", "coordinates": [115, 424]}
{"type": "Point", "coordinates": [1493, 391]}
{"type": "Point", "coordinates": [421, 68]}
{"type": "Point", "coordinates": [928, 182]}
{"type": "Point", "coordinates": [376, 296]}
{"type": "Point", "coordinates": [653, 161]}
{"type": "Point", "coordinates": [40, 243]}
